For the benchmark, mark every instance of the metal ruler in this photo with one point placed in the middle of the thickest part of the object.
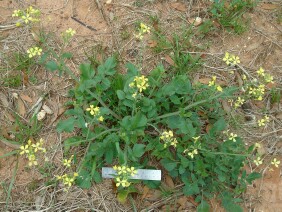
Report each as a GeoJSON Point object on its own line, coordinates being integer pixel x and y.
{"type": "Point", "coordinates": [142, 174]}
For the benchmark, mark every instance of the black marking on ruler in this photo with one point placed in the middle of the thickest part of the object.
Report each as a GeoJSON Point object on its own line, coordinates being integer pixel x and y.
{"type": "Point", "coordinates": [83, 24]}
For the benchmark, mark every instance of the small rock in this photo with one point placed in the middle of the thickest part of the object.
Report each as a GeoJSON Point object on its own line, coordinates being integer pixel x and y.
{"type": "Point", "coordinates": [195, 21]}
{"type": "Point", "coordinates": [47, 109]}
{"type": "Point", "coordinates": [41, 115]}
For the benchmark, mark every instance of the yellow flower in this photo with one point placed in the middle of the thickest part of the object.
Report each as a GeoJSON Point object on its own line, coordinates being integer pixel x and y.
{"type": "Point", "coordinates": [257, 145]}
{"type": "Point", "coordinates": [260, 72]}
{"type": "Point", "coordinates": [239, 102]}
{"type": "Point", "coordinates": [131, 171]}
{"type": "Point", "coordinates": [196, 138]}
{"type": "Point", "coordinates": [258, 161]}
{"type": "Point", "coordinates": [261, 122]}
{"type": "Point", "coordinates": [219, 88]}
{"type": "Point", "coordinates": [191, 154]}
{"type": "Point", "coordinates": [118, 182]}
{"type": "Point", "coordinates": [174, 142]}
{"type": "Point", "coordinates": [139, 36]}
{"type": "Point", "coordinates": [30, 10]}
{"type": "Point", "coordinates": [259, 98]}
{"type": "Point", "coordinates": [232, 137]}
{"type": "Point", "coordinates": [93, 110]}
{"type": "Point", "coordinates": [266, 118]}
{"type": "Point", "coordinates": [70, 32]}
{"type": "Point", "coordinates": [34, 51]}
{"type": "Point", "coordinates": [141, 83]}
{"type": "Point", "coordinates": [124, 183]}
{"type": "Point", "coordinates": [67, 162]}
{"type": "Point", "coordinates": [68, 181]}
{"type": "Point", "coordinates": [275, 162]}
{"type": "Point", "coordinates": [127, 184]}
{"type": "Point", "coordinates": [227, 58]}
{"type": "Point", "coordinates": [26, 18]}
{"type": "Point", "coordinates": [194, 152]}
{"type": "Point", "coordinates": [132, 84]}
{"type": "Point", "coordinates": [268, 78]}
{"type": "Point", "coordinates": [121, 170]}
{"type": "Point", "coordinates": [166, 135]}
{"type": "Point", "coordinates": [244, 77]}
{"type": "Point", "coordinates": [16, 13]}
{"type": "Point", "coordinates": [115, 167]}
{"type": "Point", "coordinates": [36, 146]}
{"type": "Point", "coordinates": [144, 28]}
{"type": "Point", "coordinates": [235, 59]}
{"type": "Point", "coordinates": [25, 149]}
{"type": "Point", "coordinates": [101, 118]}
{"type": "Point", "coordinates": [211, 83]}
{"type": "Point", "coordinates": [32, 160]}
{"type": "Point", "coordinates": [134, 95]}
{"type": "Point", "coordinates": [59, 177]}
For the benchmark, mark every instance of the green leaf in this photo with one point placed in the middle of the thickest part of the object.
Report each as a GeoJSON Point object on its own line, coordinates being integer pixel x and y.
{"type": "Point", "coordinates": [139, 121]}
{"type": "Point", "coordinates": [203, 207]}
{"type": "Point", "coordinates": [219, 125]}
{"type": "Point", "coordinates": [153, 184]}
{"type": "Point", "coordinates": [131, 70]}
{"type": "Point", "coordinates": [84, 179]}
{"type": "Point", "coordinates": [228, 202]}
{"type": "Point", "coordinates": [181, 169]}
{"type": "Point", "coordinates": [138, 150]}
{"type": "Point", "coordinates": [183, 124]}
{"type": "Point", "coordinates": [43, 58]}
{"type": "Point", "coordinates": [175, 100]}
{"type": "Point", "coordinates": [97, 177]}
{"type": "Point", "coordinates": [231, 207]}
{"type": "Point", "coordinates": [108, 67]}
{"type": "Point", "coordinates": [51, 66]}
{"type": "Point", "coordinates": [169, 165]}
{"type": "Point", "coordinates": [179, 85]}
{"type": "Point", "coordinates": [67, 55]}
{"type": "Point", "coordinates": [86, 71]}
{"type": "Point", "coordinates": [157, 72]}
{"type": "Point", "coordinates": [122, 196]}
{"type": "Point", "coordinates": [221, 177]}
{"type": "Point", "coordinates": [120, 94]}
{"type": "Point", "coordinates": [191, 189]}
{"type": "Point", "coordinates": [109, 156]}
{"type": "Point", "coordinates": [253, 176]}
{"type": "Point", "coordinates": [66, 125]}
{"type": "Point", "coordinates": [120, 154]}
{"type": "Point", "coordinates": [72, 141]}
{"type": "Point", "coordinates": [9, 154]}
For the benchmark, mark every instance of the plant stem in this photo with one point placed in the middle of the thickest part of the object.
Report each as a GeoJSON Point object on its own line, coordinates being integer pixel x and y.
{"type": "Point", "coordinates": [103, 104]}
{"type": "Point", "coordinates": [186, 108]}
{"type": "Point", "coordinates": [97, 136]}
{"type": "Point", "coordinates": [154, 127]}
{"type": "Point", "coordinates": [11, 183]}
{"type": "Point", "coordinates": [223, 153]}
{"type": "Point", "coordinates": [132, 203]}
